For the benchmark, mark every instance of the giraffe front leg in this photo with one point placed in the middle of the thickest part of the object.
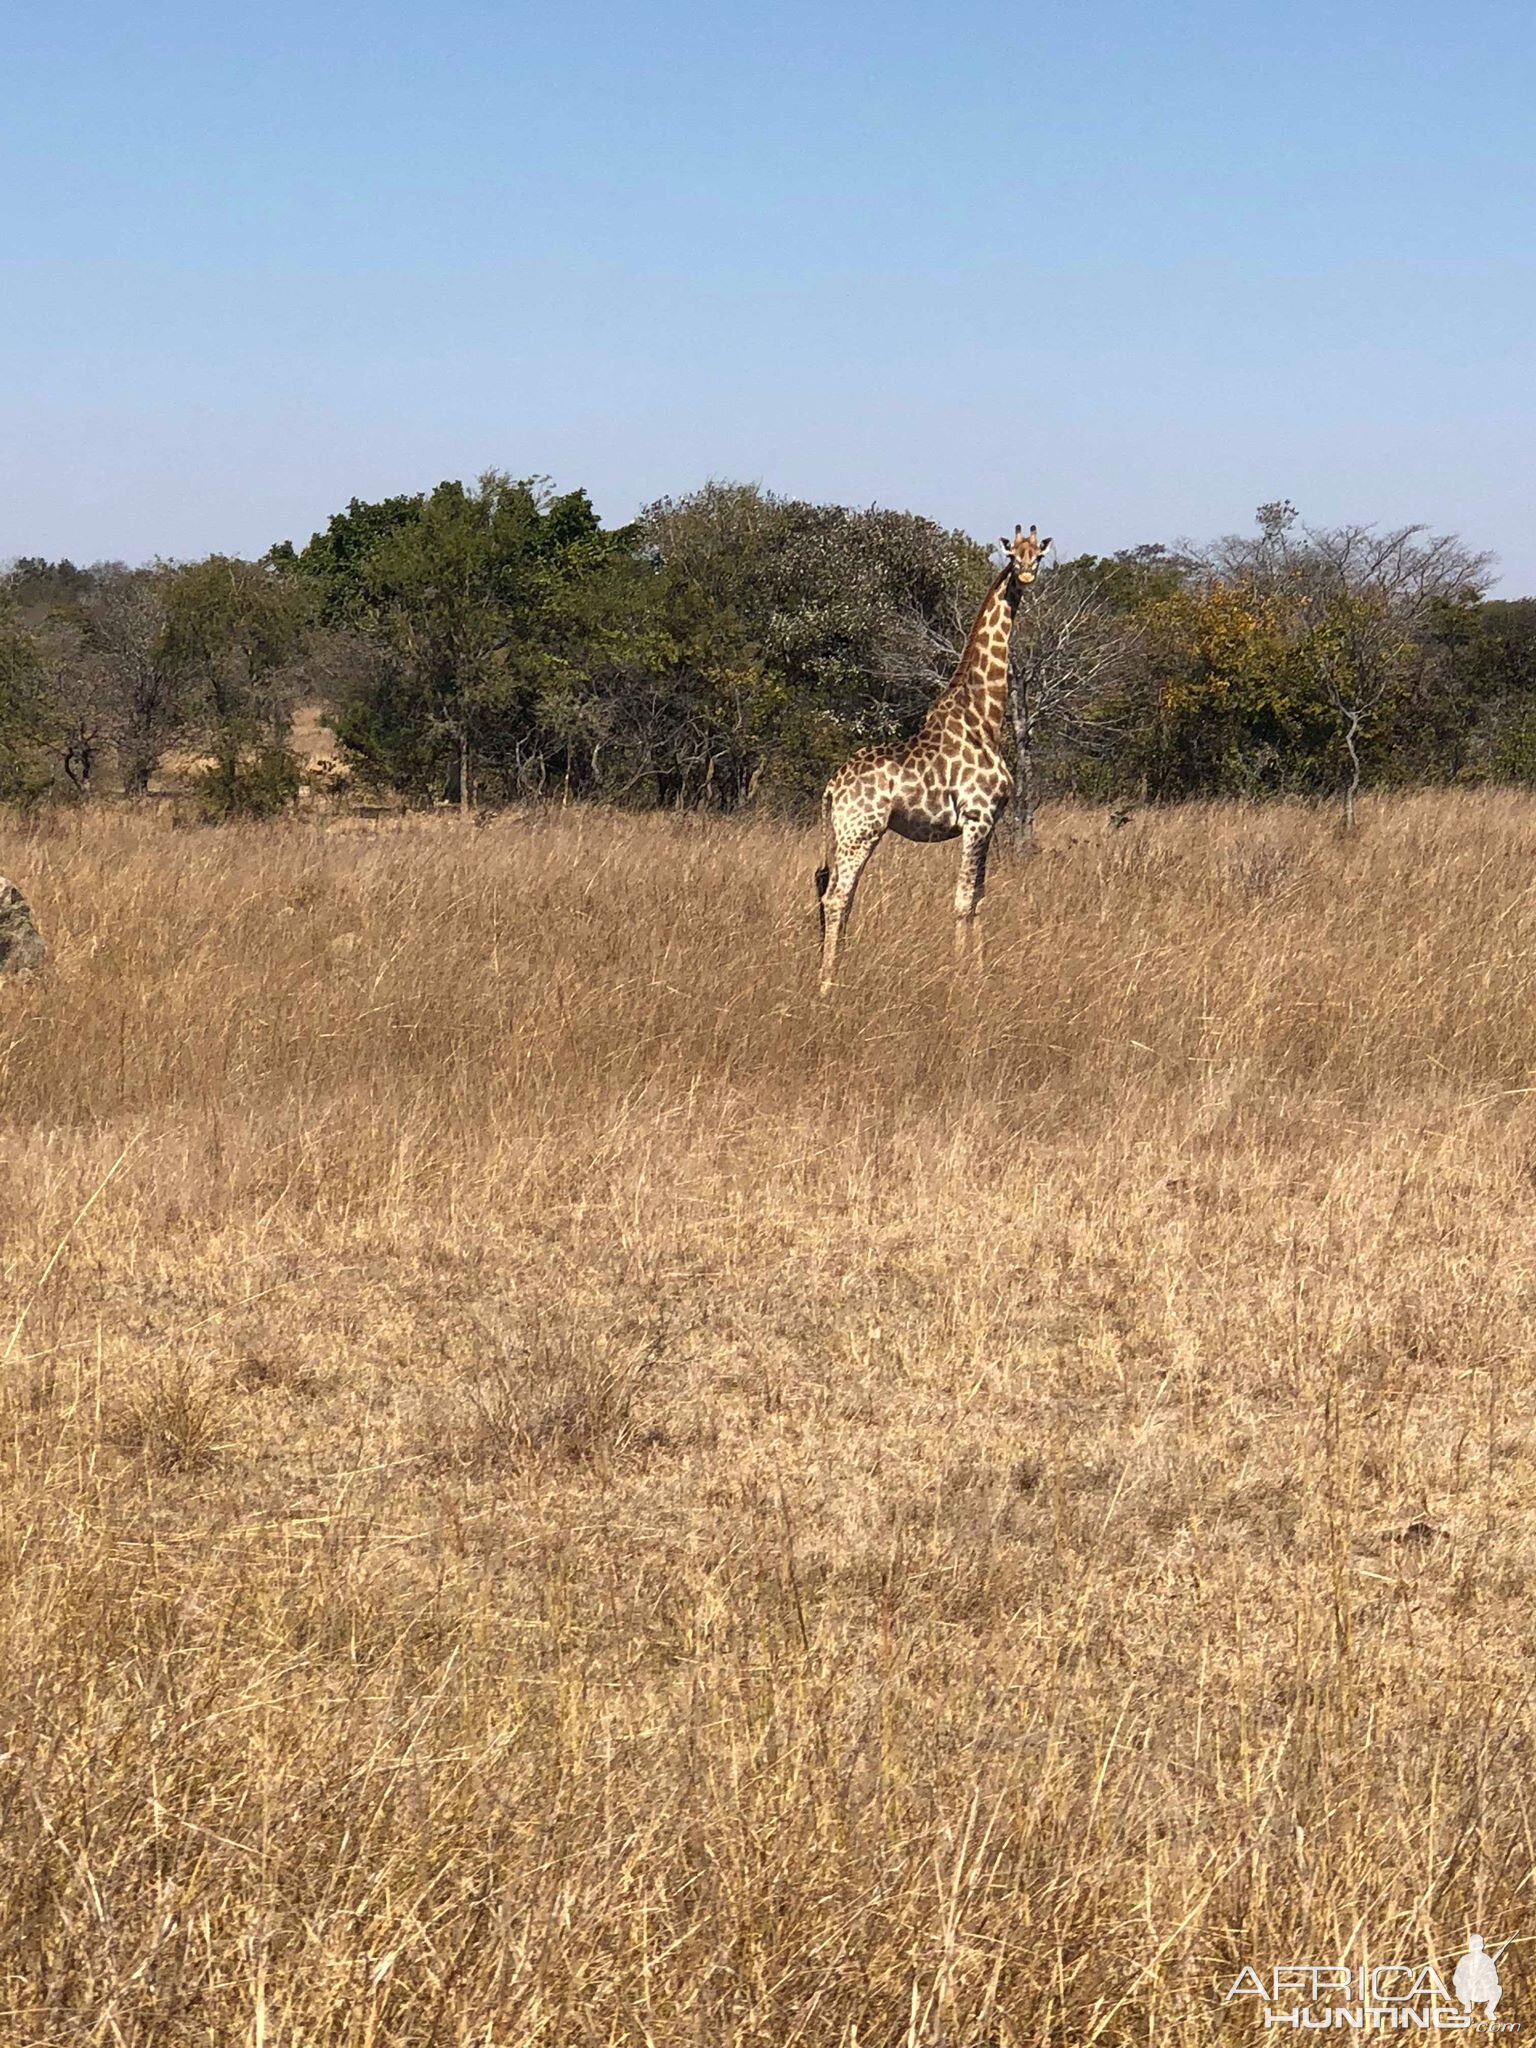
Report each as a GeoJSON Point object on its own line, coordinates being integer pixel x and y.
{"type": "Point", "coordinates": [976, 838]}
{"type": "Point", "coordinates": [837, 902]}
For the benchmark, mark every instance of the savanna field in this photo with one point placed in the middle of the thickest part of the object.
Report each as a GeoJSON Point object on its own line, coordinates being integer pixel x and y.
{"type": "Point", "coordinates": [557, 1490]}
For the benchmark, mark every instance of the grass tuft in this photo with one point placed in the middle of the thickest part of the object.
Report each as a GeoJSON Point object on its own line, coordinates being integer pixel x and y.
{"type": "Point", "coordinates": [171, 1421]}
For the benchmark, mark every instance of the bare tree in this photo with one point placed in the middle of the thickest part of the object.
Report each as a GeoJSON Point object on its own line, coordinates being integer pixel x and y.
{"type": "Point", "coordinates": [144, 700]}
{"type": "Point", "coordinates": [1360, 653]}
{"type": "Point", "coordinates": [1069, 643]}
{"type": "Point", "coordinates": [1412, 568]}
{"type": "Point", "coordinates": [77, 721]}
{"type": "Point", "coordinates": [1368, 597]}
{"type": "Point", "coordinates": [1372, 595]}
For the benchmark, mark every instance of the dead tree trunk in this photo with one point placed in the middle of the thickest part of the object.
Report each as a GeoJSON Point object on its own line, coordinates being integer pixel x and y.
{"type": "Point", "coordinates": [1352, 748]}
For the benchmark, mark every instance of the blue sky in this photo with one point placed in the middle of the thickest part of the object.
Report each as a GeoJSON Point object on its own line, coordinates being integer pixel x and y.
{"type": "Point", "coordinates": [1125, 270]}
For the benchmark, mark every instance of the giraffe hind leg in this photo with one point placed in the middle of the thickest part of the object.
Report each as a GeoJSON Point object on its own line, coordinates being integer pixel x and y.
{"type": "Point", "coordinates": [837, 901]}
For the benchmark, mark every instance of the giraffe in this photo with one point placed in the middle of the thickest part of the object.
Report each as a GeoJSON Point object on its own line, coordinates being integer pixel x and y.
{"type": "Point", "coordinates": [951, 782]}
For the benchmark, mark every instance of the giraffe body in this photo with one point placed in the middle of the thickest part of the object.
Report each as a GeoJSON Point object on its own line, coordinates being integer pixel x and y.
{"type": "Point", "coordinates": [951, 782]}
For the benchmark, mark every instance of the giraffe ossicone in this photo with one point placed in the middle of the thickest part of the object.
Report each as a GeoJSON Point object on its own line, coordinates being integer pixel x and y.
{"type": "Point", "coordinates": [951, 782]}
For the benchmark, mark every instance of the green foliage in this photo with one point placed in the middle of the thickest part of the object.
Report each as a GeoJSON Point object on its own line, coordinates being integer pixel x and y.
{"type": "Point", "coordinates": [1138, 578]}
{"type": "Point", "coordinates": [831, 628]}
{"type": "Point", "coordinates": [234, 633]}
{"type": "Point", "coordinates": [1493, 671]}
{"type": "Point", "coordinates": [22, 711]}
{"type": "Point", "coordinates": [859, 614]}
{"type": "Point", "coordinates": [37, 587]}
{"type": "Point", "coordinates": [1301, 659]}
{"type": "Point", "coordinates": [481, 642]}
{"type": "Point", "coordinates": [224, 615]}
{"type": "Point", "coordinates": [1227, 704]}
{"type": "Point", "coordinates": [261, 784]}
{"type": "Point", "coordinates": [1512, 748]}
{"type": "Point", "coordinates": [644, 691]}
{"type": "Point", "coordinates": [731, 645]}
{"type": "Point", "coordinates": [334, 560]}
{"type": "Point", "coordinates": [458, 590]}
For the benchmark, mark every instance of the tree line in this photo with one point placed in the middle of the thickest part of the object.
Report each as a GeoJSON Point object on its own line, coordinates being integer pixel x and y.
{"type": "Point", "coordinates": [480, 644]}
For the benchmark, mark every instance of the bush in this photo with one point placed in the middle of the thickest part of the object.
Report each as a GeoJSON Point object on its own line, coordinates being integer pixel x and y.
{"type": "Point", "coordinates": [261, 787]}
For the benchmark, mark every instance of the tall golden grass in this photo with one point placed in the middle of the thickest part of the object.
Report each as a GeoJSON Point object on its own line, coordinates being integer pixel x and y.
{"type": "Point", "coordinates": [557, 1490]}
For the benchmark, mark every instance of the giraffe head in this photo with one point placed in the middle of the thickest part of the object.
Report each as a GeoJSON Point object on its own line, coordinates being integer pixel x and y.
{"type": "Point", "coordinates": [1025, 551]}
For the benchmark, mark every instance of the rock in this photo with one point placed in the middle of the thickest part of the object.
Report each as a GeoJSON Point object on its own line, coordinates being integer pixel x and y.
{"type": "Point", "coordinates": [21, 943]}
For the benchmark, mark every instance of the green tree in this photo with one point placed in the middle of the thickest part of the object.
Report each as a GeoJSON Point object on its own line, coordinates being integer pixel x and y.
{"type": "Point", "coordinates": [234, 633]}
{"type": "Point", "coordinates": [657, 687]}
{"type": "Point", "coordinates": [22, 715]}
{"type": "Point", "coordinates": [1487, 660]}
{"type": "Point", "coordinates": [852, 619]}
{"type": "Point", "coordinates": [454, 588]}
{"type": "Point", "coordinates": [334, 561]}
{"type": "Point", "coordinates": [1226, 705]}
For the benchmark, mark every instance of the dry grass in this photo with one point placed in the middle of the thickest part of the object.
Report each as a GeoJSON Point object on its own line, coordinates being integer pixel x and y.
{"type": "Point", "coordinates": [557, 1491]}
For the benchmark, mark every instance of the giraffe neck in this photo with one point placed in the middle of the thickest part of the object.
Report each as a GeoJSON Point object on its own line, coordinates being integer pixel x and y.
{"type": "Point", "coordinates": [980, 682]}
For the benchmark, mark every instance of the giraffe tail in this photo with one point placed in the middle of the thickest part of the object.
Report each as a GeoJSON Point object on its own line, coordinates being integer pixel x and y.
{"type": "Point", "coordinates": [824, 873]}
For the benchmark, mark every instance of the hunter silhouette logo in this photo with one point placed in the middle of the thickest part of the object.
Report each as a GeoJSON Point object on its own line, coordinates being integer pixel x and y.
{"type": "Point", "coordinates": [1382, 1997]}
{"type": "Point", "coordinates": [1476, 1981]}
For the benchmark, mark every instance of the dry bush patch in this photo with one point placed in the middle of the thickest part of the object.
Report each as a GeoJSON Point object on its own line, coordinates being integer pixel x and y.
{"type": "Point", "coordinates": [558, 1490]}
